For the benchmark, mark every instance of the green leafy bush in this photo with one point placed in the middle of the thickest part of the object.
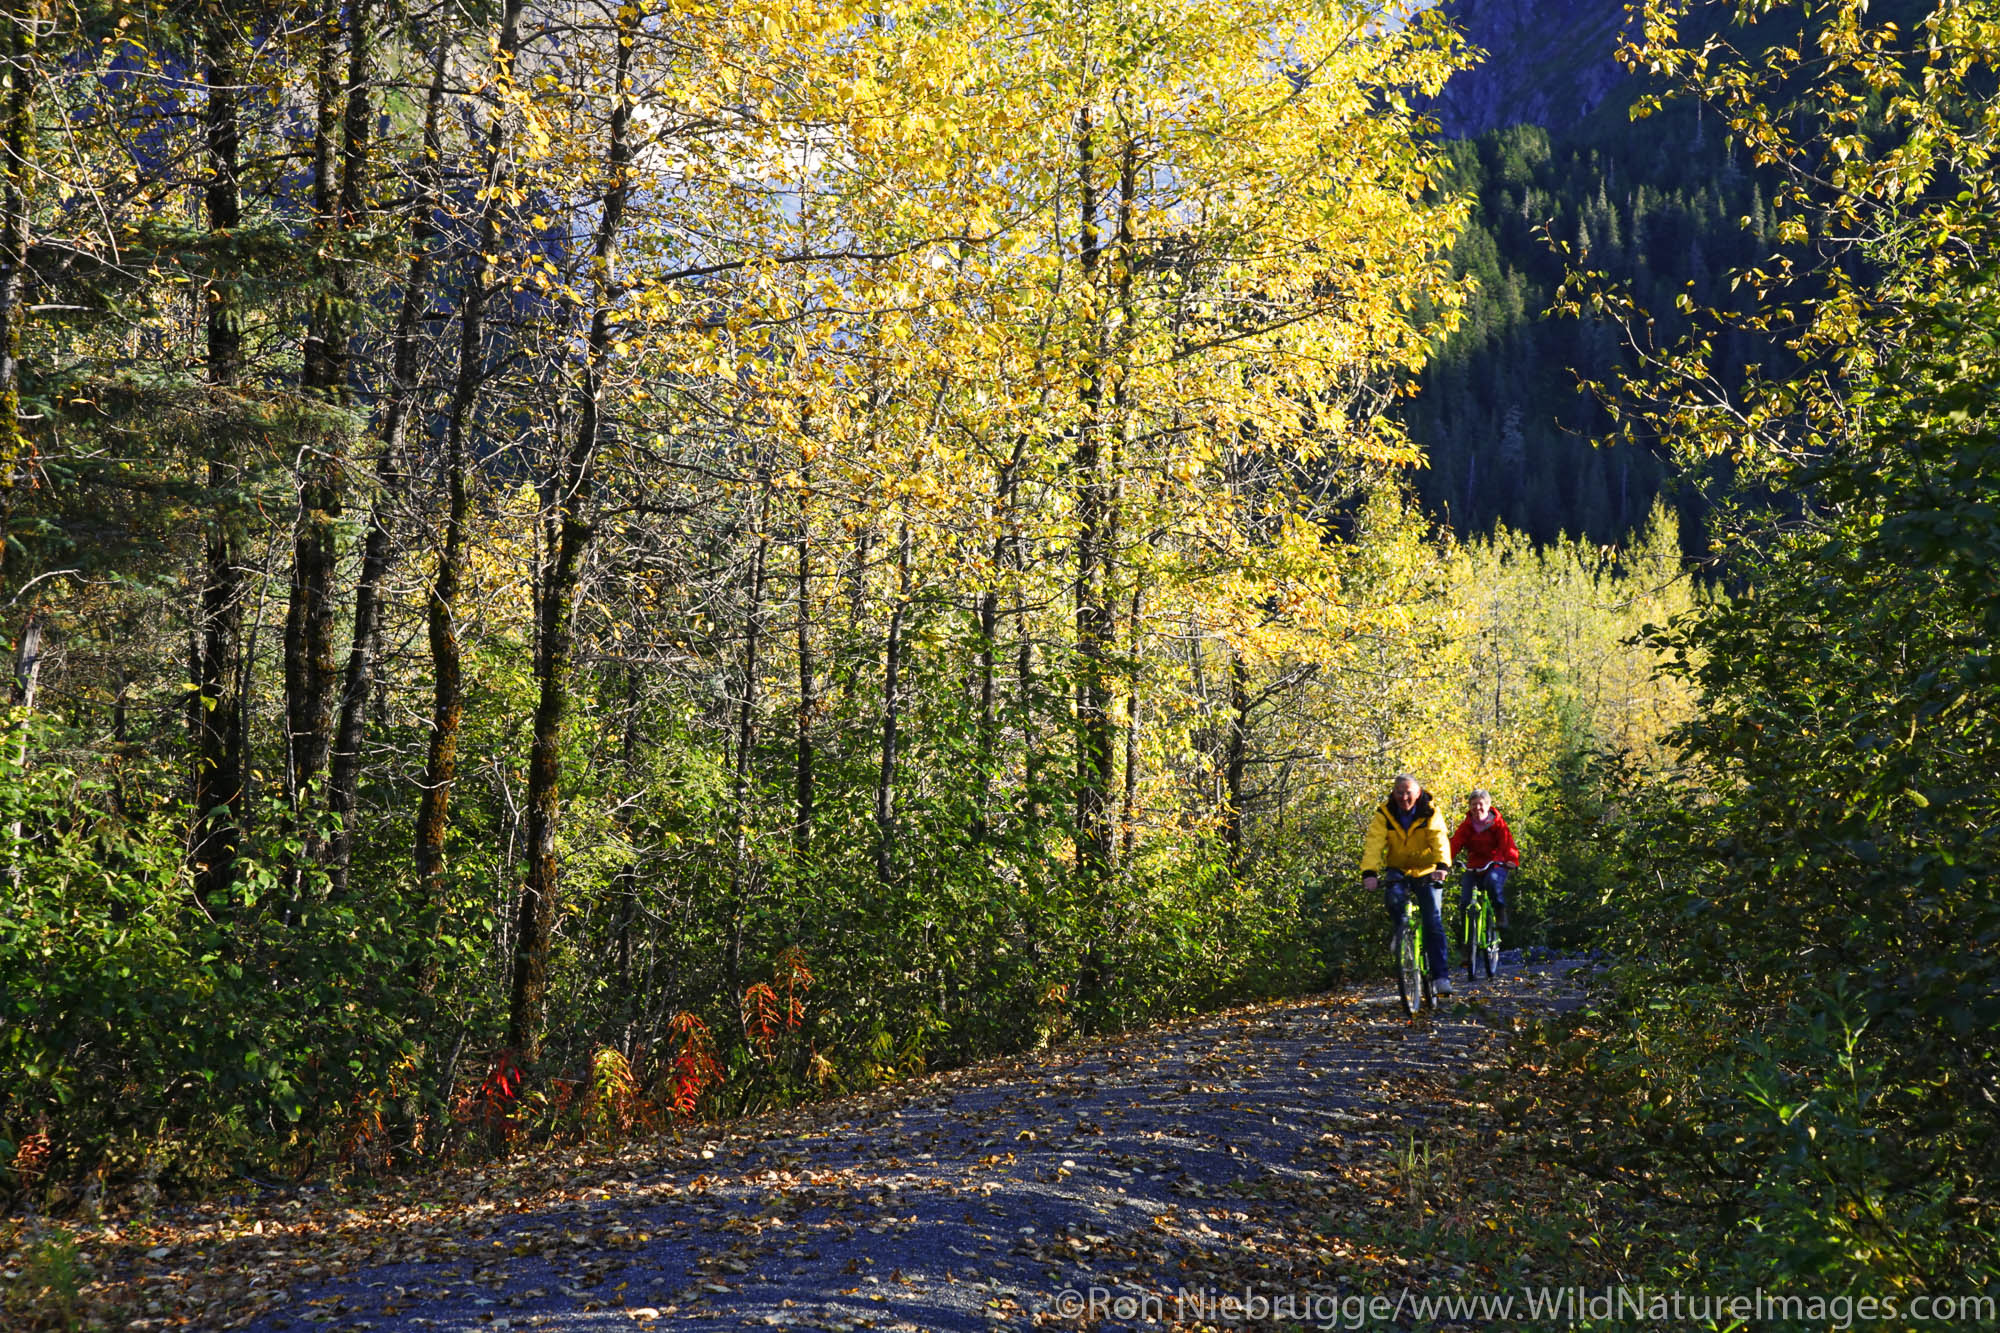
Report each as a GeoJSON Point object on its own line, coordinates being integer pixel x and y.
{"type": "Point", "coordinates": [149, 1033]}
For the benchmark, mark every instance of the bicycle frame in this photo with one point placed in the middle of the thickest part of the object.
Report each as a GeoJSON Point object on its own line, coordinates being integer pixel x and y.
{"type": "Point", "coordinates": [1481, 931]}
{"type": "Point", "coordinates": [1413, 979]}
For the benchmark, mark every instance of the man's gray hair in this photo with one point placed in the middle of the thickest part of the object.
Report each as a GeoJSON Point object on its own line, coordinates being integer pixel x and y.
{"type": "Point", "coordinates": [1480, 794]}
{"type": "Point", "coordinates": [1401, 778]}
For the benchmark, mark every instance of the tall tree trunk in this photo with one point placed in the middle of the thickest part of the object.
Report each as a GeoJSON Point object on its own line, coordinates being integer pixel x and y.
{"type": "Point", "coordinates": [1126, 266]}
{"type": "Point", "coordinates": [1129, 811]}
{"type": "Point", "coordinates": [1236, 757]}
{"type": "Point", "coordinates": [857, 579]}
{"type": "Point", "coordinates": [441, 610]}
{"type": "Point", "coordinates": [556, 615]}
{"type": "Point", "coordinates": [625, 884]}
{"type": "Point", "coordinates": [28, 659]}
{"type": "Point", "coordinates": [989, 713]}
{"type": "Point", "coordinates": [802, 768]}
{"type": "Point", "coordinates": [311, 670]}
{"type": "Point", "coordinates": [1005, 543]}
{"type": "Point", "coordinates": [27, 676]}
{"type": "Point", "coordinates": [741, 871]}
{"type": "Point", "coordinates": [17, 167]}
{"type": "Point", "coordinates": [390, 478]}
{"type": "Point", "coordinates": [1093, 611]}
{"type": "Point", "coordinates": [892, 687]}
{"type": "Point", "coordinates": [17, 147]}
{"type": "Point", "coordinates": [215, 703]}
{"type": "Point", "coordinates": [1024, 695]}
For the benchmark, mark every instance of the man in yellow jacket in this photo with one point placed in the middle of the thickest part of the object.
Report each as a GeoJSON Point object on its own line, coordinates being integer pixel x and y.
{"type": "Point", "coordinates": [1408, 834]}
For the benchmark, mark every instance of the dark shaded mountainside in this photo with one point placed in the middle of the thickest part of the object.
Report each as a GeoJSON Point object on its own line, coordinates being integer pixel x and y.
{"type": "Point", "coordinates": [1550, 63]}
{"type": "Point", "coordinates": [1540, 134]}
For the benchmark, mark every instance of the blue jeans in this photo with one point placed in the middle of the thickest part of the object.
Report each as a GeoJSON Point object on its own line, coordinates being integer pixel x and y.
{"type": "Point", "coordinates": [1496, 882]}
{"type": "Point", "coordinates": [1430, 906]}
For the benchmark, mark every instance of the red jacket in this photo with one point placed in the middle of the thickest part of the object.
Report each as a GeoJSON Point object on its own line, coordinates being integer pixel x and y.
{"type": "Point", "coordinates": [1488, 846]}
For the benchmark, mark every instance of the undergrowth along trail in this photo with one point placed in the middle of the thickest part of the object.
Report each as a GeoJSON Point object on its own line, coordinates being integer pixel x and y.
{"type": "Point", "coordinates": [1268, 1148]}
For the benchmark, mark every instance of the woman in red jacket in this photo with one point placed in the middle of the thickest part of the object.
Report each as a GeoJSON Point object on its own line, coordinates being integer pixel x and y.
{"type": "Point", "coordinates": [1489, 850]}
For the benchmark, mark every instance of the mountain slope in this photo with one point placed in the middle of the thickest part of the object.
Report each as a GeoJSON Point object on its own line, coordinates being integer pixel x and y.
{"type": "Point", "coordinates": [1548, 151]}
{"type": "Point", "coordinates": [1549, 63]}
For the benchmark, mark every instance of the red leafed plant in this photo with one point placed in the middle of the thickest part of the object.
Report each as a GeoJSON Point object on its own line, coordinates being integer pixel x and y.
{"type": "Point", "coordinates": [694, 1068]}
{"type": "Point", "coordinates": [31, 1158]}
{"type": "Point", "coordinates": [794, 980]}
{"type": "Point", "coordinates": [493, 1102]}
{"type": "Point", "coordinates": [763, 1018]}
{"type": "Point", "coordinates": [771, 1011]}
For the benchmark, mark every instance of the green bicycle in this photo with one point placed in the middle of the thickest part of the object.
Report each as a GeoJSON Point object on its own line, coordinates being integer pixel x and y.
{"type": "Point", "coordinates": [1413, 978]}
{"type": "Point", "coordinates": [1482, 928]}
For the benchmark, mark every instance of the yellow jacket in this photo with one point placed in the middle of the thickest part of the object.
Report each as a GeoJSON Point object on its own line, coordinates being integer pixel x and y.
{"type": "Point", "coordinates": [1421, 848]}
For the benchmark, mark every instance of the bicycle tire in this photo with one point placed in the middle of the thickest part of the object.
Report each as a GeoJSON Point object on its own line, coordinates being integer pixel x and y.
{"type": "Point", "coordinates": [1482, 944]}
{"type": "Point", "coordinates": [1489, 937]}
{"type": "Point", "coordinates": [1473, 937]}
{"type": "Point", "coordinates": [1489, 954]}
{"type": "Point", "coordinates": [1411, 983]}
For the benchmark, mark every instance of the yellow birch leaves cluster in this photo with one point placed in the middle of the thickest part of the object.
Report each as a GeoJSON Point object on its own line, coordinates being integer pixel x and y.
{"type": "Point", "coordinates": [1092, 308]}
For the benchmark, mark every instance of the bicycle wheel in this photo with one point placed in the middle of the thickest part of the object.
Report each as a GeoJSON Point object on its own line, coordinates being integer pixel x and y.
{"type": "Point", "coordinates": [1489, 930]}
{"type": "Point", "coordinates": [1411, 983]}
{"type": "Point", "coordinates": [1486, 952]}
{"type": "Point", "coordinates": [1475, 935]}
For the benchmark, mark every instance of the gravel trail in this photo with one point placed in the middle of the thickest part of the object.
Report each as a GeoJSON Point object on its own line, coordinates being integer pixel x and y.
{"type": "Point", "coordinates": [1034, 1190]}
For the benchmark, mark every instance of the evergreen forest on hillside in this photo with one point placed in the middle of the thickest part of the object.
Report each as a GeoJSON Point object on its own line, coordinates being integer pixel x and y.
{"type": "Point", "coordinates": [1510, 426]}
{"type": "Point", "coordinates": [571, 572]}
